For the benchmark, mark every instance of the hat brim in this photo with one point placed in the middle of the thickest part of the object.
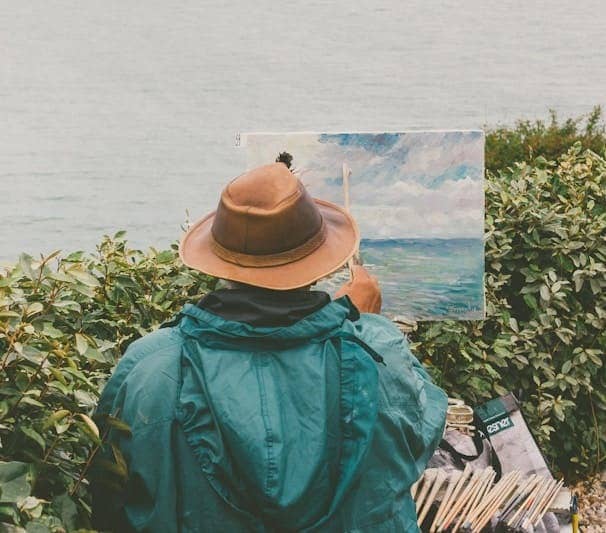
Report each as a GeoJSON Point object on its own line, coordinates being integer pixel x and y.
{"type": "Point", "coordinates": [342, 241]}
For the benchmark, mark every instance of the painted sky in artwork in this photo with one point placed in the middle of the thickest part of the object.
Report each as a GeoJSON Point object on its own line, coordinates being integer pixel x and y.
{"type": "Point", "coordinates": [417, 184]}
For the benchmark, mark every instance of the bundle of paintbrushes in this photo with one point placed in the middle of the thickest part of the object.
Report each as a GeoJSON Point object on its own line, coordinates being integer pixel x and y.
{"type": "Point", "coordinates": [470, 500]}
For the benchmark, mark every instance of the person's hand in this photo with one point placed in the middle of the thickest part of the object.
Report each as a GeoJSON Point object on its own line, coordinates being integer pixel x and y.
{"type": "Point", "coordinates": [363, 290]}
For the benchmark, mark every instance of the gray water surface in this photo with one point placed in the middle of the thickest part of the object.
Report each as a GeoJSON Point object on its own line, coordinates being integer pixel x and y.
{"type": "Point", "coordinates": [122, 114]}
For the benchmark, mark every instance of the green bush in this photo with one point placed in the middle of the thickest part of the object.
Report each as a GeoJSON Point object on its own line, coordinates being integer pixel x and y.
{"type": "Point", "coordinates": [63, 325]}
{"type": "Point", "coordinates": [545, 333]}
{"type": "Point", "coordinates": [529, 140]}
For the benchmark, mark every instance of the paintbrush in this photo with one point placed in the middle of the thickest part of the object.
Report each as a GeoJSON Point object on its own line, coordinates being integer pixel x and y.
{"type": "Point", "coordinates": [490, 500]}
{"type": "Point", "coordinates": [546, 503]}
{"type": "Point", "coordinates": [452, 483]}
{"type": "Point", "coordinates": [461, 500]}
{"type": "Point", "coordinates": [454, 495]}
{"type": "Point", "coordinates": [414, 487]}
{"type": "Point", "coordinates": [497, 501]}
{"type": "Point", "coordinates": [355, 259]}
{"type": "Point", "coordinates": [517, 518]}
{"type": "Point", "coordinates": [518, 496]}
{"type": "Point", "coordinates": [476, 496]}
{"type": "Point", "coordinates": [428, 478]}
{"type": "Point", "coordinates": [537, 505]}
{"type": "Point", "coordinates": [437, 485]}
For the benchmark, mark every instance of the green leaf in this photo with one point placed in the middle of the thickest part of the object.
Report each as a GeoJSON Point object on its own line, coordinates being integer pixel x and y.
{"type": "Point", "coordinates": [578, 283]}
{"type": "Point", "coordinates": [566, 367]}
{"type": "Point", "coordinates": [556, 287]}
{"type": "Point", "coordinates": [26, 400]}
{"type": "Point", "coordinates": [530, 301]}
{"type": "Point", "coordinates": [545, 294]}
{"type": "Point", "coordinates": [15, 479]}
{"type": "Point", "coordinates": [85, 398]}
{"type": "Point", "coordinates": [90, 425]}
{"type": "Point", "coordinates": [60, 275]}
{"type": "Point", "coordinates": [81, 343]}
{"type": "Point", "coordinates": [84, 277]}
{"type": "Point", "coordinates": [67, 510]}
{"type": "Point", "coordinates": [51, 331]}
{"type": "Point", "coordinates": [52, 255]}
{"type": "Point", "coordinates": [165, 257]}
{"type": "Point", "coordinates": [67, 304]}
{"type": "Point", "coordinates": [120, 461]}
{"type": "Point", "coordinates": [10, 511]}
{"type": "Point", "coordinates": [33, 354]}
{"type": "Point", "coordinates": [33, 435]}
{"type": "Point", "coordinates": [117, 425]}
{"type": "Point", "coordinates": [94, 355]}
{"type": "Point", "coordinates": [25, 262]}
{"type": "Point", "coordinates": [34, 308]}
{"type": "Point", "coordinates": [56, 417]}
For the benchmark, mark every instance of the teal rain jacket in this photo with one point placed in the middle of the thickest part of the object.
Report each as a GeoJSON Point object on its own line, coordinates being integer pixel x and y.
{"type": "Point", "coordinates": [238, 428]}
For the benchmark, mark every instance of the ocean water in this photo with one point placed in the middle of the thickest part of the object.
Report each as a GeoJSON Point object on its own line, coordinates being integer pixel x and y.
{"type": "Point", "coordinates": [425, 279]}
{"type": "Point", "coordinates": [122, 114]}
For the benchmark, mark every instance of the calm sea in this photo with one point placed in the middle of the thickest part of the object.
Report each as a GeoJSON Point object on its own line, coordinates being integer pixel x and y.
{"type": "Point", "coordinates": [122, 114]}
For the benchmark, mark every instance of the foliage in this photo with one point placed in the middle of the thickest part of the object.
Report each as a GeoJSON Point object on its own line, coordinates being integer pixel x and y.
{"type": "Point", "coordinates": [545, 334]}
{"type": "Point", "coordinates": [65, 321]}
{"type": "Point", "coordinates": [529, 140]}
{"type": "Point", "coordinates": [63, 324]}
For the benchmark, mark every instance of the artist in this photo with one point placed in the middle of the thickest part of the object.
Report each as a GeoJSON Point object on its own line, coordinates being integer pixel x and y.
{"type": "Point", "coordinates": [268, 406]}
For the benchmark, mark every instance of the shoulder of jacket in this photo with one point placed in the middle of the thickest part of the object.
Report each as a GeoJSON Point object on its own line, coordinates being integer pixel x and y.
{"type": "Point", "coordinates": [150, 348]}
{"type": "Point", "coordinates": [161, 344]}
{"type": "Point", "coordinates": [397, 376]}
{"type": "Point", "coordinates": [379, 330]}
{"type": "Point", "coordinates": [155, 341]}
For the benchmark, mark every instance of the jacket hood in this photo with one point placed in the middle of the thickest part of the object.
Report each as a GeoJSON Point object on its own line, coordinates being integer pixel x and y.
{"type": "Point", "coordinates": [279, 418]}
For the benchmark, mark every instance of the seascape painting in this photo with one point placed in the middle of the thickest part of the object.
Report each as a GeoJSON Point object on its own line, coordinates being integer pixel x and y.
{"type": "Point", "coordinates": [418, 198]}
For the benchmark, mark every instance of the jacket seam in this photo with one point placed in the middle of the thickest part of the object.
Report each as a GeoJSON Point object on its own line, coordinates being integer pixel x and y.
{"type": "Point", "coordinates": [268, 432]}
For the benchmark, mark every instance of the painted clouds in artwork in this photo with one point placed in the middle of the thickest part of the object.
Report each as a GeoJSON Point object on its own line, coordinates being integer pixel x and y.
{"type": "Point", "coordinates": [403, 185]}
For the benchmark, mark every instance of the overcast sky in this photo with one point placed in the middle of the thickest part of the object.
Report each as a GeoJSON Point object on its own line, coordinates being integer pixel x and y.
{"type": "Point", "coordinates": [403, 185]}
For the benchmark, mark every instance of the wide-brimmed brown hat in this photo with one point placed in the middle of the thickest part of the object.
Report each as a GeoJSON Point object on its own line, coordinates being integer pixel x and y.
{"type": "Point", "coordinates": [267, 231]}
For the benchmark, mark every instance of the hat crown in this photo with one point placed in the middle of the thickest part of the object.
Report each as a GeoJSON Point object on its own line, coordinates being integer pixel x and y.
{"type": "Point", "coordinates": [263, 188]}
{"type": "Point", "coordinates": [267, 214]}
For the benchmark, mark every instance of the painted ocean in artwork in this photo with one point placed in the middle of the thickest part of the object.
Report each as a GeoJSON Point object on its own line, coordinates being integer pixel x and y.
{"type": "Point", "coordinates": [418, 198]}
{"type": "Point", "coordinates": [424, 279]}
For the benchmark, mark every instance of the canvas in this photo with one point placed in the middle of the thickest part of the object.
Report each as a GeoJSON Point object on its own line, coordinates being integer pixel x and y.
{"type": "Point", "coordinates": [418, 198]}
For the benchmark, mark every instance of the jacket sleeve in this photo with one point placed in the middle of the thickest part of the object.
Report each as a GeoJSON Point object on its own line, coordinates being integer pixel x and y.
{"type": "Point", "coordinates": [108, 495]}
{"type": "Point", "coordinates": [412, 408]}
{"type": "Point", "coordinates": [139, 393]}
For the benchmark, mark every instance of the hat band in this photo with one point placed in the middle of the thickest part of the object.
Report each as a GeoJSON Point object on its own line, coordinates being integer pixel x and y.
{"type": "Point", "coordinates": [270, 260]}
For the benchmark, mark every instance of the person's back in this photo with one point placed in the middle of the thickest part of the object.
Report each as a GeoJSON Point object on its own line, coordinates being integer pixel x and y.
{"type": "Point", "coordinates": [272, 410]}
